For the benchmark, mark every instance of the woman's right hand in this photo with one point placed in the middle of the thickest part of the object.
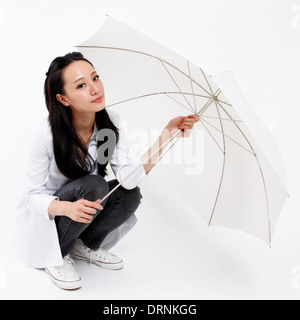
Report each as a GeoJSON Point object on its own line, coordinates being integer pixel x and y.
{"type": "Point", "coordinates": [83, 210]}
{"type": "Point", "coordinates": [80, 211]}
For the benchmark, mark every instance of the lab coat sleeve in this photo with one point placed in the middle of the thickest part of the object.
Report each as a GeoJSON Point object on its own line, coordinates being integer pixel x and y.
{"type": "Point", "coordinates": [36, 200]}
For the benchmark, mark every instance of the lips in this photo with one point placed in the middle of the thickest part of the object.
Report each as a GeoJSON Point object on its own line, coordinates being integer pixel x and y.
{"type": "Point", "coordinates": [98, 100]}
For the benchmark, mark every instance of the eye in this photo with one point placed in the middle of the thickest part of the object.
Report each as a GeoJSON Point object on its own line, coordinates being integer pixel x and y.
{"type": "Point", "coordinates": [82, 85]}
{"type": "Point", "coordinates": [96, 78]}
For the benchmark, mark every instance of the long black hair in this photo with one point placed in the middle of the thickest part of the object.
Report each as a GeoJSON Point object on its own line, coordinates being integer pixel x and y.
{"type": "Point", "coordinates": [71, 155]}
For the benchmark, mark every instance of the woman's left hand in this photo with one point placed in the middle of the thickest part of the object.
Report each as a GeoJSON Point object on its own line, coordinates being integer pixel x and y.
{"type": "Point", "coordinates": [185, 124]}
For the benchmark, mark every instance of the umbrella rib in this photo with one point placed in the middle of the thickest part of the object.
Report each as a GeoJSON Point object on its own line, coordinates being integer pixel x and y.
{"type": "Point", "coordinates": [208, 103]}
{"type": "Point", "coordinates": [210, 117]}
{"type": "Point", "coordinates": [190, 94]}
{"type": "Point", "coordinates": [238, 128]}
{"type": "Point", "coordinates": [207, 81]}
{"type": "Point", "coordinates": [230, 105]}
{"type": "Point", "coordinates": [227, 136]}
{"type": "Point", "coordinates": [205, 127]}
{"type": "Point", "coordinates": [223, 167]}
{"type": "Point", "coordinates": [190, 74]}
{"type": "Point", "coordinates": [146, 54]}
{"type": "Point", "coordinates": [261, 172]}
{"type": "Point", "coordinates": [153, 94]}
{"type": "Point", "coordinates": [211, 88]}
{"type": "Point", "coordinates": [177, 85]}
{"type": "Point", "coordinates": [178, 102]}
{"type": "Point", "coordinates": [135, 98]}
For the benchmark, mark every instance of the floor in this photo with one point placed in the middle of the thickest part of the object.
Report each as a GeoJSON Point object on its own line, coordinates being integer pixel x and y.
{"type": "Point", "coordinates": [172, 254]}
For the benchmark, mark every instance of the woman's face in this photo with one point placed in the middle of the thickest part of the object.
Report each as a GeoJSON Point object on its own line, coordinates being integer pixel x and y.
{"type": "Point", "coordinates": [83, 89]}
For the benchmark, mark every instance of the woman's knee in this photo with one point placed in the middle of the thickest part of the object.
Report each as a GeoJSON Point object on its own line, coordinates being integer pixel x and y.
{"type": "Point", "coordinates": [133, 196]}
{"type": "Point", "coordinates": [95, 186]}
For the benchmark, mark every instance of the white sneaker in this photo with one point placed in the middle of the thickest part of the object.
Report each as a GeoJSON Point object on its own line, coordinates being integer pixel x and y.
{"type": "Point", "coordinates": [100, 257]}
{"type": "Point", "coordinates": [65, 276]}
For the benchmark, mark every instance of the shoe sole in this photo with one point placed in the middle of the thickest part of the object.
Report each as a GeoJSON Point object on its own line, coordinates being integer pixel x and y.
{"type": "Point", "coordinates": [65, 285]}
{"type": "Point", "coordinates": [103, 265]}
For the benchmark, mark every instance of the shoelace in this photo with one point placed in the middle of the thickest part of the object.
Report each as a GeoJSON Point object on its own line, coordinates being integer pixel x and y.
{"type": "Point", "coordinates": [94, 254]}
{"type": "Point", "coordinates": [89, 253]}
{"type": "Point", "coordinates": [66, 259]}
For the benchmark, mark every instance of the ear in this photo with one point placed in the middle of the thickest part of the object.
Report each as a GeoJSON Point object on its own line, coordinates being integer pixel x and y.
{"type": "Point", "coordinates": [62, 99]}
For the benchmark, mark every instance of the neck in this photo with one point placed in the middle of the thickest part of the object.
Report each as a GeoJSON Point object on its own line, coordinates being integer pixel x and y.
{"type": "Point", "coordinates": [84, 122]}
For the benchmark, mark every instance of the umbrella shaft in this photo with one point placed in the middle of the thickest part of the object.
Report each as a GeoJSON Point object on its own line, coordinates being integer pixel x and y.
{"type": "Point", "coordinates": [152, 154]}
{"type": "Point", "coordinates": [139, 166]}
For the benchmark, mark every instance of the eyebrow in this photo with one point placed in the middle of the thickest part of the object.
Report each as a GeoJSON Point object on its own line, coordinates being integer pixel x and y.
{"type": "Point", "coordinates": [83, 77]}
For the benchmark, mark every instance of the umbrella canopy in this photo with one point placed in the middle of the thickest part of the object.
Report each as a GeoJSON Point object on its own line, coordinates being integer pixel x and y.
{"type": "Point", "coordinates": [230, 170]}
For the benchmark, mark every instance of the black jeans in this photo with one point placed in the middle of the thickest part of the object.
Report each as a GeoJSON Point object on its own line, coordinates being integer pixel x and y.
{"type": "Point", "coordinates": [118, 208]}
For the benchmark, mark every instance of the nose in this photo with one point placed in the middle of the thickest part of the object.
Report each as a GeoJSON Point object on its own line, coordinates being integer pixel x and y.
{"type": "Point", "coordinates": [94, 89]}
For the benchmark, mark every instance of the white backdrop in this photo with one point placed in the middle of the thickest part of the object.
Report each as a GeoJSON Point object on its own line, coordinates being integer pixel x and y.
{"type": "Point", "coordinates": [170, 254]}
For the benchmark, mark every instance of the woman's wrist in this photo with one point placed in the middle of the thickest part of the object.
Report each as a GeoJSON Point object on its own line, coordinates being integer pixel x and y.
{"type": "Point", "coordinates": [58, 208]}
{"type": "Point", "coordinates": [169, 131]}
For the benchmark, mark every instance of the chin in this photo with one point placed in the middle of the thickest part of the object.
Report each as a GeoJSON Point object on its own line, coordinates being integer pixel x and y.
{"type": "Point", "coordinates": [99, 107]}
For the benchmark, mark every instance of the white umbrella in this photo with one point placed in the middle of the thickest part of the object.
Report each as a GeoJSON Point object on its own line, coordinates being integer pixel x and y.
{"type": "Point", "coordinates": [236, 178]}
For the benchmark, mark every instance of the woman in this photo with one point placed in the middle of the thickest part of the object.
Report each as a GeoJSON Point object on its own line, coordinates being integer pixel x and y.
{"type": "Point", "coordinates": [60, 213]}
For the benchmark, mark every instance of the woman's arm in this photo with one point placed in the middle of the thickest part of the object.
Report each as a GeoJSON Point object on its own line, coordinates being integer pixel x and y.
{"type": "Point", "coordinates": [185, 124]}
{"type": "Point", "coordinates": [36, 199]}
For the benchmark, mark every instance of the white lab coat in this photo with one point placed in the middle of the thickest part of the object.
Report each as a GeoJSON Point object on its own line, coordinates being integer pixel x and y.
{"type": "Point", "coordinates": [43, 179]}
